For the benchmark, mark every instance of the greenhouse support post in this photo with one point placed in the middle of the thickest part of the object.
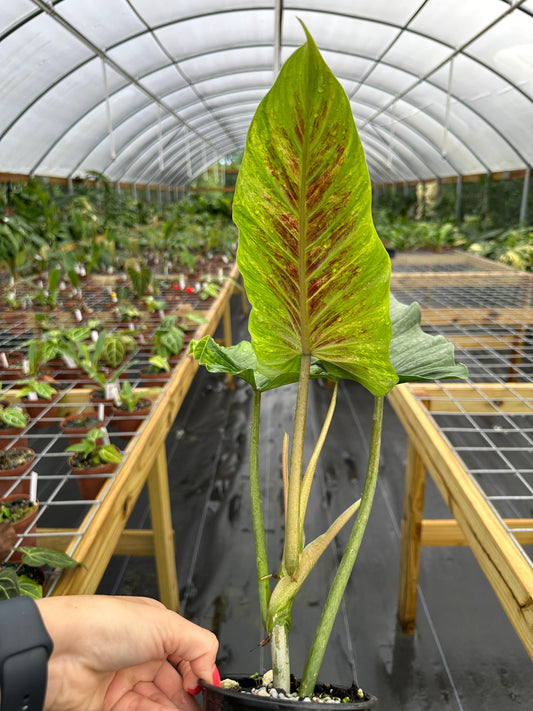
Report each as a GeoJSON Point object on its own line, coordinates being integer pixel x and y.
{"type": "Point", "coordinates": [525, 195]}
{"type": "Point", "coordinates": [459, 199]}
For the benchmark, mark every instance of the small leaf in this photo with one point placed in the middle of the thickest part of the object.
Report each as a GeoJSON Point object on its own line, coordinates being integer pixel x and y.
{"type": "Point", "coordinates": [9, 586]}
{"type": "Point", "coordinates": [30, 588]}
{"type": "Point", "coordinates": [36, 557]}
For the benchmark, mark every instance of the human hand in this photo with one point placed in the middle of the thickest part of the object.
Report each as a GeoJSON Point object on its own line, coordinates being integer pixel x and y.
{"type": "Point", "coordinates": [122, 654]}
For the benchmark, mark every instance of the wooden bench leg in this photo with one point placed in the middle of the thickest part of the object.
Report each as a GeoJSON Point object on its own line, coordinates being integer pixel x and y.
{"type": "Point", "coordinates": [165, 552]}
{"type": "Point", "coordinates": [415, 482]}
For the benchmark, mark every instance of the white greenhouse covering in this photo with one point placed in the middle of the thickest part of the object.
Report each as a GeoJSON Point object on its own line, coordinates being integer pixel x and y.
{"type": "Point", "coordinates": [154, 91]}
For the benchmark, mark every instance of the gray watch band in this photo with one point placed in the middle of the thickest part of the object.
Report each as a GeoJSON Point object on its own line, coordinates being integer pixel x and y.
{"type": "Point", "coordinates": [24, 652]}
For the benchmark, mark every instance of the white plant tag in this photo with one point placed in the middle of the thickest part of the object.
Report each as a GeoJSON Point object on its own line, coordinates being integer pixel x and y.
{"type": "Point", "coordinates": [101, 411]}
{"type": "Point", "coordinates": [141, 339]}
{"type": "Point", "coordinates": [33, 396]}
{"type": "Point", "coordinates": [94, 336]}
{"type": "Point", "coordinates": [3, 360]}
{"type": "Point", "coordinates": [77, 315]}
{"type": "Point", "coordinates": [225, 259]}
{"type": "Point", "coordinates": [25, 366]}
{"type": "Point", "coordinates": [62, 286]}
{"type": "Point", "coordinates": [111, 391]}
{"type": "Point", "coordinates": [105, 435]}
{"type": "Point", "coordinates": [69, 362]}
{"type": "Point", "coordinates": [181, 282]}
{"type": "Point", "coordinates": [131, 326]}
{"type": "Point", "coordinates": [161, 313]}
{"type": "Point", "coordinates": [33, 486]}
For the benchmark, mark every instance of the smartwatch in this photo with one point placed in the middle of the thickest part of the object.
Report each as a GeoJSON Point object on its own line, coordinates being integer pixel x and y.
{"type": "Point", "coordinates": [25, 647]}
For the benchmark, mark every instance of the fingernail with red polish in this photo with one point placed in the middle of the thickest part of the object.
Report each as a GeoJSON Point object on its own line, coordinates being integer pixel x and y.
{"type": "Point", "coordinates": [194, 691]}
{"type": "Point", "coordinates": [216, 677]}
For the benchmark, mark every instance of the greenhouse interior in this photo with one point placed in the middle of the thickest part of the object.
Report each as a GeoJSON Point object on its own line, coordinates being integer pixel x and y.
{"type": "Point", "coordinates": [266, 342]}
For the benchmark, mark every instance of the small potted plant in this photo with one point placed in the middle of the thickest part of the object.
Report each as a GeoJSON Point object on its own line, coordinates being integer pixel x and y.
{"type": "Point", "coordinates": [157, 371]}
{"type": "Point", "coordinates": [77, 424]}
{"type": "Point", "coordinates": [14, 463]}
{"type": "Point", "coordinates": [168, 338]}
{"type": "Point", "coordinates": [17, 514]}
{"type": "Point", "coordinates": [92, 459]}
{"type": "Point", "coordinates": [94, 359]}
{"type": "Point", "coordinates": [40, 393]}
{"type": "Point", "coordinates": [27, 576]}
{"type": "Point", "coordinates": [318, 280]}
{"type": "Point", "coordinates": [131, 407]}
{"type": "Point", "coordinates": [12, 423]}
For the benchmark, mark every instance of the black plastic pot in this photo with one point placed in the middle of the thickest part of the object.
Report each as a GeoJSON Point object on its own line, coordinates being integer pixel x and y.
{"type": "Point", "coordinates": [217, 699]}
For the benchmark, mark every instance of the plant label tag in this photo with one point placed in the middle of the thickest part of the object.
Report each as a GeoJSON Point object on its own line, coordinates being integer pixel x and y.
{"type": "Point", "coordinates": [3, 360]}
{"type": "Point", "coordinates": [77, 315]}
{"type": "Point", "coordinates": [181, 282]}
{"type": "Point", "coordinates": [101, 411]}
{"type": "Point", "coordinates": [33, 396]}
{"type": "Point", "coordinates": [141, 339]}
{"type": "Point", "coordinates": [161, 313]}
{"type": "Point", "coordinates": [225, 259]}
{"type": "Point", "coordinates": [25, 366]}
{"type": "Point", "coordinates": [11, 281]}
{"type": "Point", "coordinates": [69, 362]}
{"type": "Point", "coordinates": [33, 486]}
{"type": "Point", "coordinates": [94, 336]}
{"type": "Point", "coordinates": [111, 391]}
{"type": "Point", "coordinates": [105, 435]}
{"type": "Point", "coordinates": [62, 286]}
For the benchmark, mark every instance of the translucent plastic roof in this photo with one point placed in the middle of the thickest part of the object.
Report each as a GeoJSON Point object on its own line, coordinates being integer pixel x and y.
{"type": "Point", "coordinates": [154, 91]}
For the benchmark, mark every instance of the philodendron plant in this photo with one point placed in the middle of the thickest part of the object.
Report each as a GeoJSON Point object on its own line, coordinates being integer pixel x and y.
{"type": "Point", "coordinates": [318, 280]}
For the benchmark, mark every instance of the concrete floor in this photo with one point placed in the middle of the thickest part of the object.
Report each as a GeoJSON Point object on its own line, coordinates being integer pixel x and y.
{"type": "Point", "coordinates": [464, 655]}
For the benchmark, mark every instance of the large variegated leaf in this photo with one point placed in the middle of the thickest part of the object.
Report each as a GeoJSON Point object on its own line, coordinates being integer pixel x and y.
{"type": "Point", "coordinates": [314, 269]}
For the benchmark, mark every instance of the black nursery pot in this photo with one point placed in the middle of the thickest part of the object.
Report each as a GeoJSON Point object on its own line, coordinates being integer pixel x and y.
{"type": "Point", "coordinates": [217, 699]}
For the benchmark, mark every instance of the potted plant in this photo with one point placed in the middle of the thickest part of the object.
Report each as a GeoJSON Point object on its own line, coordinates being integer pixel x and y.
{"type": "Point", "coordinates": [157, 371]}
{"type": "Point", "coordinates": [131, 407]}
{"type": "Point", "coordinates": [15, 462]}
{"type": "Point", "coordinates": [40, 393]}
{"type": "Point", "coordinates": [318, 280]}
{"type": "Point", "coordinates": [93, 359]}
{"type": "Point", "coordinates": [168, 338]}
{"type": "Point", "coordinates": [27, 577]}
{"type": "Point", "coordinates": [17, 513]}
{"type": "Point", "coordinates": [91, 461]}
{"type": "Point", "coordinates": [12, 423]}
{"type": "Point", "coordinates": [79, 423]}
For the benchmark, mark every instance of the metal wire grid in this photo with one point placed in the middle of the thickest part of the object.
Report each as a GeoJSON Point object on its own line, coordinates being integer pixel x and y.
{"type": "Point", "coordinates": [492, 434]}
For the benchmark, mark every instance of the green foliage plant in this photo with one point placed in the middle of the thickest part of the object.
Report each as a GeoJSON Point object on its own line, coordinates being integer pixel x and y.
{"type": "Point", "coordinates": [12, 416]}
{"type": "Point", "coordinates": [168, 337]}
{"type": "Point", "coordinates": [128, 397]}
{"type": "Point", "coordinates": [92, 449]}
{"type": "Point", "coordinates": [20, 578]}
{"type": "Point", "coordinates": [43, 389]}
{"type": "Point", "coordinates": [318, 280]}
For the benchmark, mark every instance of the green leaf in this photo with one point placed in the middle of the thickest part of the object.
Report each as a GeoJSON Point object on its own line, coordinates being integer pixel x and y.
{"type": "Point", "coordinates": [37, 556]}
{"type": "Point", "coordinates": [417, 355]}
{"type": "Point", "coordinates": [30, 588]}
{"type": "Point", "coordinates": [109, 453]}
{"type": "Point", "coordinates": [9, 586]}
{"type": "Point", "coordinates": [241, 361]}
{"type": "Point", "coordinates": [315, 271]}
{"type": "Point", "coordinates": [13, 417]}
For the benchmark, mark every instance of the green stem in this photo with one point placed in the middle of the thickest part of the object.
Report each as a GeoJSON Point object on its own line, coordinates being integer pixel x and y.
{"type": "Point", "coordinates": [257, 511]}
{"type": "Point", "coordinates": [291, 554]}
{"type": "Point", "coordinates": [279, 644]}
{"type": "Point", "coordinates": [323, 632]}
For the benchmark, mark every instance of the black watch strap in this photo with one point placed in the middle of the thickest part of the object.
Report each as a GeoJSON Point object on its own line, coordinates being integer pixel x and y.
{"type": "Point", "coordinates": [25, 647]}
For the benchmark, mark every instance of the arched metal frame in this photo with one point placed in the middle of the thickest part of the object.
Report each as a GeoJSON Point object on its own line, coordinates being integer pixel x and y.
{"type": "Point", "coordinates": [205, 115]}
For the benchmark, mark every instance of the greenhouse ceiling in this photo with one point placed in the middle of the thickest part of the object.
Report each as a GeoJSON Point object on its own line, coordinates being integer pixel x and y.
{"type": "Point", "coordinates": [154, 91]}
